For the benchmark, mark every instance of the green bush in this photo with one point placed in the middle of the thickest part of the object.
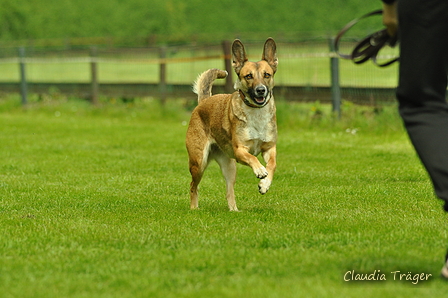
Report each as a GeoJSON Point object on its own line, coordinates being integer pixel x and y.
{"type": "Point", "coordinates": [176, 20]}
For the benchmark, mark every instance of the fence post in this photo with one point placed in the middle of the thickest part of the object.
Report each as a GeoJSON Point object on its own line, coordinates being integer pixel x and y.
{"type": "Point", "coordinates": [226, 46]}
{"type": "Point", "coordinates": [335, 86]}
{"type": "Point", "coordinates": [94, 75]}
{"type": "Point", "coordinates": [23, 82]}
{"type": "Point", "coordinates": [162, 75]}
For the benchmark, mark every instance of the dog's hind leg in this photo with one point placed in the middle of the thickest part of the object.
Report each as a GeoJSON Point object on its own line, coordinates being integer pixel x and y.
{"type": "Point", "coordinates": [228, 169]}
{"type": "Point", "coordinates": [198, 161]}
{"type": "Point", "coordinates": [196, 175]}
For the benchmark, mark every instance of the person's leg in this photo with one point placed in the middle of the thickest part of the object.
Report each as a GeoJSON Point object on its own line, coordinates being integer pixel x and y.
{"type": "Point", "coordinates": [422, 85]}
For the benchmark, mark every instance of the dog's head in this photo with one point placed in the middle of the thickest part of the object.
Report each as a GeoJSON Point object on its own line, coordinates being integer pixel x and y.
{"type": "Point", "coordinates": [255, 79]}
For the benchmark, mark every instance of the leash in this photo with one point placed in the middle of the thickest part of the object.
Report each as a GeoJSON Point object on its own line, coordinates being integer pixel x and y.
{"type": "Point", "coordinates": [369, 47]}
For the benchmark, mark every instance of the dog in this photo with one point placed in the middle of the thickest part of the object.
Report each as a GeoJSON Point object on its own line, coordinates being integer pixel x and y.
{"type": "Point", "coordinates": [230, 128]}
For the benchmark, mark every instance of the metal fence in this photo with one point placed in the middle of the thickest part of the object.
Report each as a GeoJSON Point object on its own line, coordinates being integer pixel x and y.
{"type": "Point", "coordinates": [305, 71]}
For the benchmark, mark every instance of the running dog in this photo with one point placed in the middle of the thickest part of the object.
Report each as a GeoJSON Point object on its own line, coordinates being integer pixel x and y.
{"type": "Point", "coordinates": [235, 127]}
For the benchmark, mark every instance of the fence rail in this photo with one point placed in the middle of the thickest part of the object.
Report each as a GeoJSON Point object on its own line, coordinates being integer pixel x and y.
{"type": "Point", "coordinates": [308, 71]}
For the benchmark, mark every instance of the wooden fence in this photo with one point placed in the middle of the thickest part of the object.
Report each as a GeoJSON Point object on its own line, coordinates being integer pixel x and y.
{"type": "Point", "coordinates": [164, 60]}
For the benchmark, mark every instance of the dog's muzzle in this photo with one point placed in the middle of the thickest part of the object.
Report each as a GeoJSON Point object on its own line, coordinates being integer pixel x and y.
{"type": "Point", "coordinates": [258, 97]}
{"type": "Point", "coordinates": [260, 94]}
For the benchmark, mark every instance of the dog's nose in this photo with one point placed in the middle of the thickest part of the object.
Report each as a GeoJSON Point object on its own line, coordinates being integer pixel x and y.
{"type": "Point", "coordinates": [260, 90]}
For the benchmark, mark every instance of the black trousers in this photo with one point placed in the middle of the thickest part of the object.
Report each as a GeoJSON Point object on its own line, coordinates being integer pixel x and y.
{"type": "Point", "coordinates": [422, 87]}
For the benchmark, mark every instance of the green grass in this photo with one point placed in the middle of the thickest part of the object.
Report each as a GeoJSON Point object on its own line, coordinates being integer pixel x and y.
{"type": "Point", "coordinates": [94, 203]}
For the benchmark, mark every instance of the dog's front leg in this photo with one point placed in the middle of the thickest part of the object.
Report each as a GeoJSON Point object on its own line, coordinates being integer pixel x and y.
{"type": "Point", "coordinates": [243, 156]}
{"type": "Point", "coordinates": [269, 157]}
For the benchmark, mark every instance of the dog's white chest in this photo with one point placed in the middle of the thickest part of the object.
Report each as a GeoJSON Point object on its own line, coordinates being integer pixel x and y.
{"type": "Point", "coordinates": [259, 129]}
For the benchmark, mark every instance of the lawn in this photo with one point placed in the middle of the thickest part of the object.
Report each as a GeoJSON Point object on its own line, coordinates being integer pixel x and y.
{"type": "Point", "coordinates": [94, 203]}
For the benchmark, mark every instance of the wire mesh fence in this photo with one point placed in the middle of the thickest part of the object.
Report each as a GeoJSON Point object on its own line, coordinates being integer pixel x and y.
{"type": "Point", "coordinates": [304, 72]}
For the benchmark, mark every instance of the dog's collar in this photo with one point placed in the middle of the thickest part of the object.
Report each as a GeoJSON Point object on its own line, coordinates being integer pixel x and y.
{"type": "Point", "coordinates": [248, 103]}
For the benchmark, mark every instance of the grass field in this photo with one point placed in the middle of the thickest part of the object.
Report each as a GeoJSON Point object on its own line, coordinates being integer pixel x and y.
{"type": "Point", "coordinates": [94, 203]}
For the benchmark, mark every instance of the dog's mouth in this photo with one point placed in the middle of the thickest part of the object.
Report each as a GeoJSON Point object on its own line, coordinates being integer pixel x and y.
{"type": "Point", "coordinates": [259, 100]}
{"type": "Point", "coordinates": [255, 100]}
{"type": "Point", "coordinates": [259, 95]}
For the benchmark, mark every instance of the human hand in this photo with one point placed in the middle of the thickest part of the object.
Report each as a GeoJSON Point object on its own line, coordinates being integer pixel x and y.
{"type": "Point", "coordinates": [390, 18]}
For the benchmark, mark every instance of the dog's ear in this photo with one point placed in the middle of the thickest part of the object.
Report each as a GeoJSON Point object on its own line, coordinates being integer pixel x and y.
{"type": "Point", "coordinates": [270, 53]}
{"type": "Point", "coordinates": [238, 55]}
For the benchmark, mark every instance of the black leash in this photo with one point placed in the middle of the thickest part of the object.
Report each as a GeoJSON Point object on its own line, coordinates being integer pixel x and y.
{"type": "Point", "coordinates": [369, 47]}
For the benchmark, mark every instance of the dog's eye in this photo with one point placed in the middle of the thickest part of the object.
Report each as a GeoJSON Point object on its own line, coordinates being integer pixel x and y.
{"type": "Point", "coordinates": [249, 77]}
{"type": "Point", "coordinates": [267, 75]}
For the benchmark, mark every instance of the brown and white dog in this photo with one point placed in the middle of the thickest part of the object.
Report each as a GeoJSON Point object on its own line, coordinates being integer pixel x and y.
{"type": "Point", "coordinates": [235, 127]}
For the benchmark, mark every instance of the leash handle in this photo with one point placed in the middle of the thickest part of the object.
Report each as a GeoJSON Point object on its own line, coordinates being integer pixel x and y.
{"type": "Point", "coordinates": [369, 47]}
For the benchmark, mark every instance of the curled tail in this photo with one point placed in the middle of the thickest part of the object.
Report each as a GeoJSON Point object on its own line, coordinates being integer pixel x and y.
{"type": "Point", "coordinates": [203, 84]}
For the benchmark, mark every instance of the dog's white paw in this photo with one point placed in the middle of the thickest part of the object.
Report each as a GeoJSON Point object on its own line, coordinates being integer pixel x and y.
{"type": "Point", "coordinates": [261, 172]}
{"type": "Point", "coordinates": [264, 185]}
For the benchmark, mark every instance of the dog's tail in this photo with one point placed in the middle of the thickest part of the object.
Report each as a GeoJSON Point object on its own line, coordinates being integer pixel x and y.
{"type": "Point", "coordinates": [203, 84]}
